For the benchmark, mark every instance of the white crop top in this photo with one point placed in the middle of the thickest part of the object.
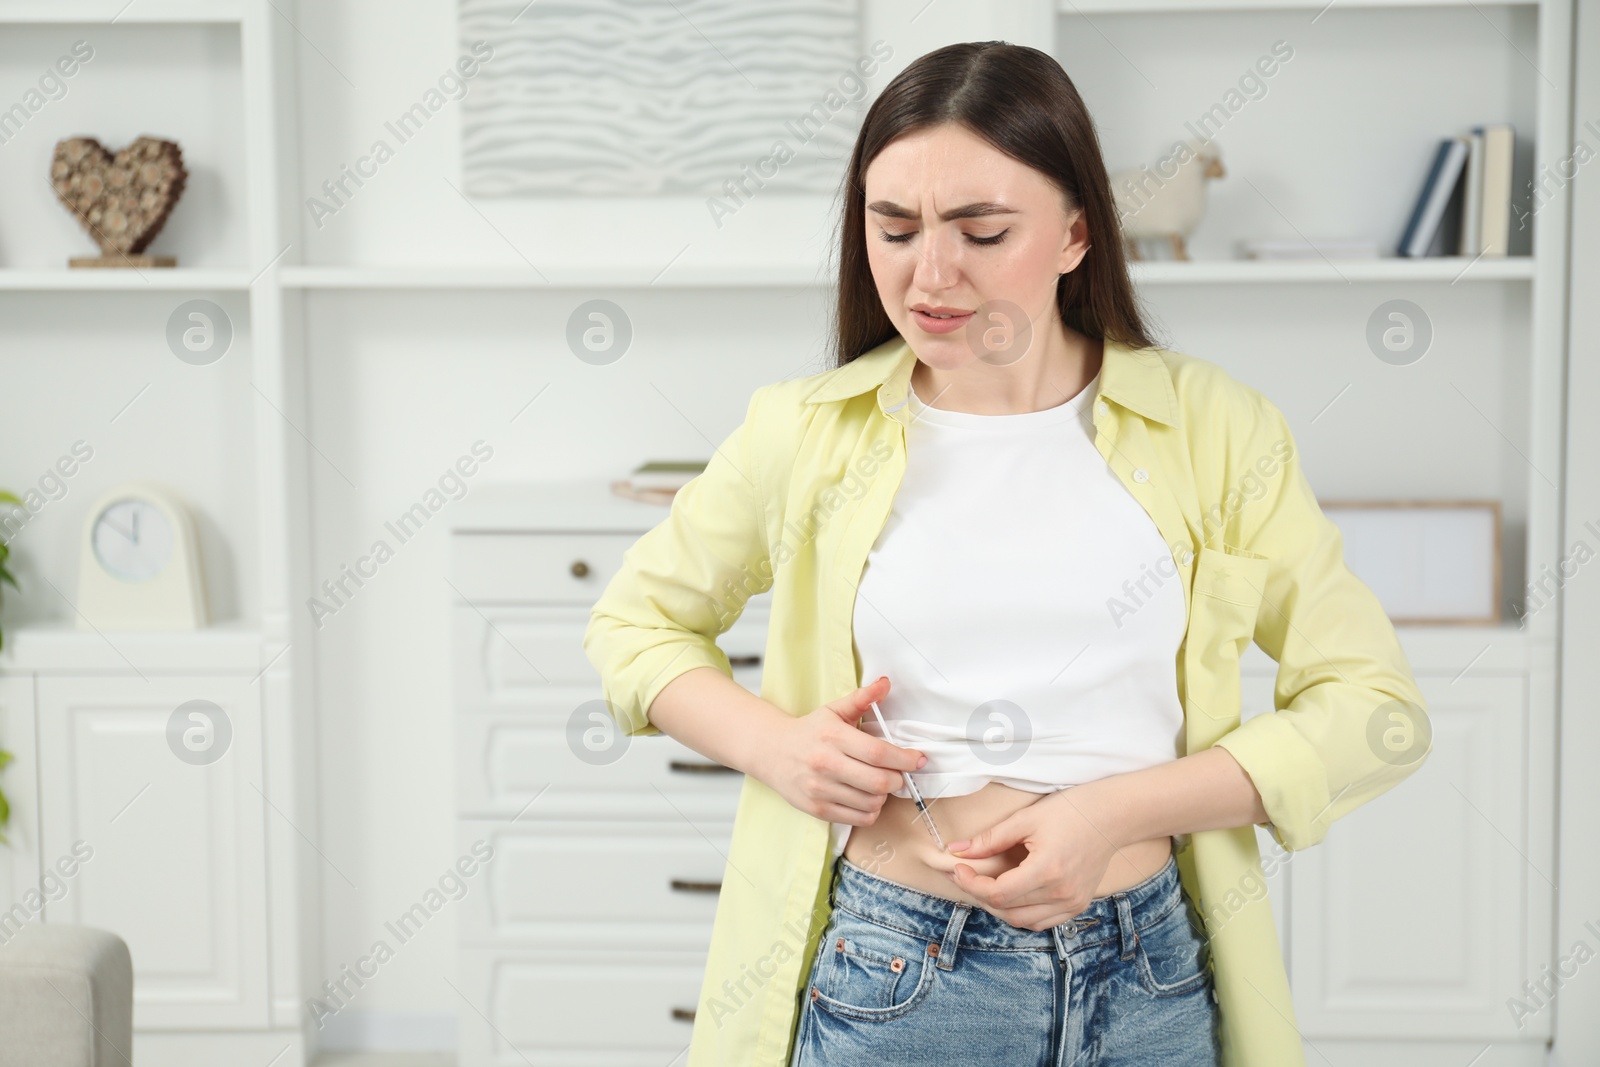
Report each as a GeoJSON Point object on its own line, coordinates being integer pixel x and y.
{"type": "Point", "coordinates": [1023, 604]}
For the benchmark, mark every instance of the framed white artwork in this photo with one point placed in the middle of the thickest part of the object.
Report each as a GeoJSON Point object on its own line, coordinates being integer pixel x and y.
{"type": "Point", "coordinates": [1430, 562]}
{"type": "Point", "coordinates": [614, 98]}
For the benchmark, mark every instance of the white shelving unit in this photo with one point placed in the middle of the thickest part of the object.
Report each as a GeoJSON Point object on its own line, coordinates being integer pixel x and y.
{"type": "Point", "coordinates": [106, 281]}
{"type": "Point", "coordinates": [1447, 268]}
{"type": "Point", "coordinates": [1128, 7]}
{"type": "Point", "coordinates": [209, 876]}
{"type": "Point", "coordinates": [127, 12]}
{"type": "Point", "coordinates": [1411, 930]}
{"type": "Point", "coordinates": [1372, 156]}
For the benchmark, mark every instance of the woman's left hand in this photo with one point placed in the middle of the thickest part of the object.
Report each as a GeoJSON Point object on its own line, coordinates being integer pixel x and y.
{"type": "Point", "coordinates": [1067, 858]}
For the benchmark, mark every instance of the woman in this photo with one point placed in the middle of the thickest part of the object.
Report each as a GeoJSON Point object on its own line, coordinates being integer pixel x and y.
{"type": "Point", "coordinates": [1045, 541]}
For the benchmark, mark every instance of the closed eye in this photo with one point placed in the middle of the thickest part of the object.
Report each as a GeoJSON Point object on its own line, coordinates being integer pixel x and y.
{"type": "Point", "coordinates": [900, 238]}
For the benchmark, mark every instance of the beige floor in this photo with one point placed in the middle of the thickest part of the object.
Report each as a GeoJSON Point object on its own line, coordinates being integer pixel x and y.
{"type": "Point", "coordinates": [387, 1059]}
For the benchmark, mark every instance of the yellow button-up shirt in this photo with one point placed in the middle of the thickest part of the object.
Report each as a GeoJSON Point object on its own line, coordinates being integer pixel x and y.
{"type": "Point", "coordinates": [793, 501]}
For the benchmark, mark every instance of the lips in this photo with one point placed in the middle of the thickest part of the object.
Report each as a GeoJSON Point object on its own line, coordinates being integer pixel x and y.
{"type": "Point", "coordinates": [934, 319]}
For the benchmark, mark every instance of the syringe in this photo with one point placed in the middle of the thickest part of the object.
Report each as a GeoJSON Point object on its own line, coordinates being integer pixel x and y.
{"type": "Point", "coordinates": [916, 794]}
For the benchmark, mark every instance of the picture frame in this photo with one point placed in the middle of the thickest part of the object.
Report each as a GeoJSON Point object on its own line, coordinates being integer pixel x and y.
{"type": "Point", "coordinates": [1430, 562]}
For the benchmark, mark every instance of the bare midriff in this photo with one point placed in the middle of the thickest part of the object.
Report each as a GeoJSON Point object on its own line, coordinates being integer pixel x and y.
{"type": "Point", "coordinates": [899, 847]}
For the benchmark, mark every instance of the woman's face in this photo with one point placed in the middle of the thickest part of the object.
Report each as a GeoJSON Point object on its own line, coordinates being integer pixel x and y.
{"type": "Point", "coordinates": [954, 226]}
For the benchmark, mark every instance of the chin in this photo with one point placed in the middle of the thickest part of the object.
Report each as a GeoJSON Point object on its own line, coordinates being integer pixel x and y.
{"type": "Point", "coordinates": [944, 351]}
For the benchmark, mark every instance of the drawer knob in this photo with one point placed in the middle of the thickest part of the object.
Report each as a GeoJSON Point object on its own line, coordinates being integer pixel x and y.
{"type": "Point", "coordinates": [744, 661]}
{"type": "Point", "coordinates": [689, 767]}
{"type": "Point", "coordinates": [683, 1015]}
{"type": "Point", "coordinates": [580, 569]}
{"type": "Point", "coordinates": [684, 885]}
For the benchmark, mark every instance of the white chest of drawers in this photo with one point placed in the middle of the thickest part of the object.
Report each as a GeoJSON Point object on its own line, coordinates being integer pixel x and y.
{"type": "Point", "coordinates": [582, 940]}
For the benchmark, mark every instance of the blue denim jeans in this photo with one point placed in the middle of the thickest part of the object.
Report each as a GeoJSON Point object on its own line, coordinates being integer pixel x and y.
{"type": "Point", "coordinates": [904, 977]}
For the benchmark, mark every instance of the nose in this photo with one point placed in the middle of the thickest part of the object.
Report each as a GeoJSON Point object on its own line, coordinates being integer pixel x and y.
{"type": "Point", "coordinates": [938, 262]}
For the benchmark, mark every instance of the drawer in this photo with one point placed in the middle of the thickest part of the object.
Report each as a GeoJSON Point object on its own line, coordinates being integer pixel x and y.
{"type": "Point", "coordinates": [555, 568]}
{"type": "Point", "coordinates": [580, 765]}
{"type": "Point", "coordinates": [518, 657]}
{"type": "Point", "coordinates": [583, 884]}
{"type": "Point", "coordinates": [577, 1006]}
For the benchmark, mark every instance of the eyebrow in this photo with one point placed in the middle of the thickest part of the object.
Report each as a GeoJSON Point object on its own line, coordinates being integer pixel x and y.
{"type": "Point", "coordinates": [966, 211]}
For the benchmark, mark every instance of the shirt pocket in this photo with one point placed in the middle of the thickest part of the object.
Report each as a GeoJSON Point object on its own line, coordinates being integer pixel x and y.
{"type": "Point", "coordinates": [1227, 593]}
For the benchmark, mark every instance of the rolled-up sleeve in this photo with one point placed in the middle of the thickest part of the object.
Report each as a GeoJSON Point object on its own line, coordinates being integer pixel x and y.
{"type": "Point", "coordinates": [1350, 721]}
{"type": "Point", "coordinates": [683, 583]}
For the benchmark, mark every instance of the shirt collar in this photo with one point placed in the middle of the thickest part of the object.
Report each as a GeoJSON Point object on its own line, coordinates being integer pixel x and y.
{"type": "Point", "coordinates": [1135, 378]}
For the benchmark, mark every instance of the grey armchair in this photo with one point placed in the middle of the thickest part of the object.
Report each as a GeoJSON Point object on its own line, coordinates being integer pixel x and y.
{"type": "Point", "coordinates": [66, 998]}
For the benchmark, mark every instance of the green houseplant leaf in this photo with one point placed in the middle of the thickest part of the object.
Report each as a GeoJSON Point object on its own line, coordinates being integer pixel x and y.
{"type": "Point", "coordinates": [5, 805]}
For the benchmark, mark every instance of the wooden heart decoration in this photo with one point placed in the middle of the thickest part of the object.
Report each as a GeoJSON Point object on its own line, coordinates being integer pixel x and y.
{"type": "Point", "coordinates": [121, 200]}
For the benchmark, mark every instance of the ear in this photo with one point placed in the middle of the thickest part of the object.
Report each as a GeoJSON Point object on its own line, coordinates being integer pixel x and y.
{"type": "Point", "coordinates": [1076, 245]}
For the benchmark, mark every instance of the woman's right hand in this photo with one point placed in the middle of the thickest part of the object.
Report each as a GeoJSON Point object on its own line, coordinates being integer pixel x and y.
{"type": "Point", "coordinates": [827, 766]}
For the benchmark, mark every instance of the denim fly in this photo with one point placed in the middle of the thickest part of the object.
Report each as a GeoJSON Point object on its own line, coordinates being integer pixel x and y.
{"type": "Point", "coordinates": [907, 978]}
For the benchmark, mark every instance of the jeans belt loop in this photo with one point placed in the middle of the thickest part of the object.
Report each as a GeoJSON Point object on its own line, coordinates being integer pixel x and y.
{"type": "Point", "coordinates": [1129, 936]}
{"type": "Point", "coordinates": [952, 935]}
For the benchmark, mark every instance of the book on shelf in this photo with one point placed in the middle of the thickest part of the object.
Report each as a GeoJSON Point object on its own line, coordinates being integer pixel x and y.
{"type": "Point", "coordinates": [1464, 206]}
{"type": "Point", "coordinates": [666, 473]}
{"type": "Point", "coordinates": [1498, 143]}
{"type": "Point", "coordinates": [656, 480]}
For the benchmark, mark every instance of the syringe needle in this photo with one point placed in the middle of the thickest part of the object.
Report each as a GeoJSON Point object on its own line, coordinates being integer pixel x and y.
{"type": "Point", "coordinates": [916, 794]}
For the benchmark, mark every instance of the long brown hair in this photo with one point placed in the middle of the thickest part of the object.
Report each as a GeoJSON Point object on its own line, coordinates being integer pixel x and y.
{"type": "Point", "coordinates": [1019, 100]}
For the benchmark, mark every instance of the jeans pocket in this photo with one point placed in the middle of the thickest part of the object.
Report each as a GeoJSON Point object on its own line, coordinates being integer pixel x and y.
{"type": "Point", "coordinates": [1172, 955]}
{"type": "Point", "coordinates": [868, 971]}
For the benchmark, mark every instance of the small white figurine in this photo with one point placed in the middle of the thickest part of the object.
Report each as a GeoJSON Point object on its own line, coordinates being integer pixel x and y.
{"type": "Point", "coordinates": [1169, 200]}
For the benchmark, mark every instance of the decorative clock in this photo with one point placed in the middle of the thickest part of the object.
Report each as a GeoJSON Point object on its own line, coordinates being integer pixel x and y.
{"type": "Point", "coordinates": [140, 564]}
